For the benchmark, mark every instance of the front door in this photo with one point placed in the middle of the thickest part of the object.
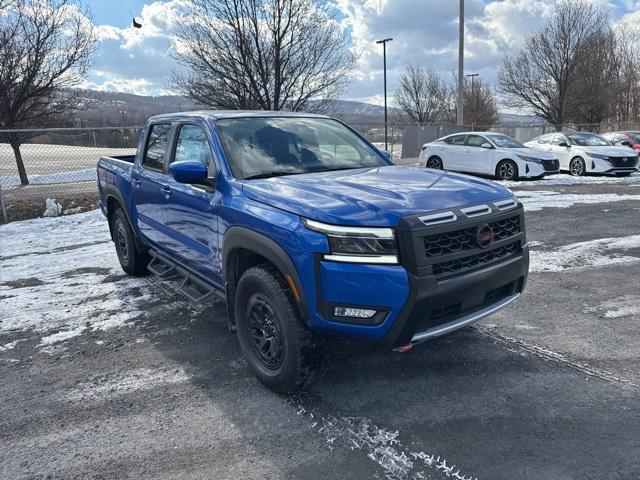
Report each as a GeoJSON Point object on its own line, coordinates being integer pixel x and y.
{"type": "Point", "coordinates": [191, 211]}
{"type": "Point", "coordinates": [563, 152]}
{"type": "Point", "coordinates": [476, 159]}
{"type": "Point", "coordinates": [149, 183]}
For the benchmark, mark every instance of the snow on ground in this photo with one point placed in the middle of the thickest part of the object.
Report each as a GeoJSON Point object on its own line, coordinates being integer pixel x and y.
{"type": "Point", "coordinates": [60, 277]}
{"type": "Point", "coordinates": [535, 200]}
{"type": "Point", "coordinates": [626, 306]}
{"type": "Point", "coordinates": [565, 179]}
{"type": "Point", "coordinates": [71, 176]}
{"type": "Point", "coordinates": [592, 253]}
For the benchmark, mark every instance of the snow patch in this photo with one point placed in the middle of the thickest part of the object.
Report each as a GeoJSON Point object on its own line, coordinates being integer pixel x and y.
{"type": "Point", "coordinates": [79, 286]}
{"type": "Point", "coordinates": [565, 179]}
{"type": "Point", "coordinates": [537, 200]}
{"type": "Point", "coordinates": [52, 208]}
{"type": "Point", "coordinates": [9, 346]}
{"type": "Point", "coordinates": [382, 446]}
{"type": "Point", "coordinates": [592, 253]}
{"type": "Point", "coordinates": [100, 389]}
{"type": "Point", "coordinates": [626, 306]}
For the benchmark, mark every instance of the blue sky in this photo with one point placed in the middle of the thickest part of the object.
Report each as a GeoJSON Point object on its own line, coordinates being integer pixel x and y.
{"type": "Point", "coordinates": [424, 32]}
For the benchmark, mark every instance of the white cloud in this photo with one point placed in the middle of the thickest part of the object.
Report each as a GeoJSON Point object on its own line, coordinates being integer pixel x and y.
{"type": "Point", "coordinates": [423, 32]}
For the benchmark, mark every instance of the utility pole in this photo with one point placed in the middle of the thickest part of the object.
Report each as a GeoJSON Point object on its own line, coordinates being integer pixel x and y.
{"type": "Point", "coordinates": [460, 116]}
{"type": "Point", "coordinates": [384, 60]}
{"type": "Point", "coordinates": [473, 98]}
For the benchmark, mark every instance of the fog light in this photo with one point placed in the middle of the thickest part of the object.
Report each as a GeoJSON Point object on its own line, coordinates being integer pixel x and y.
{"type": "Point", "coordinates": [353, 312]}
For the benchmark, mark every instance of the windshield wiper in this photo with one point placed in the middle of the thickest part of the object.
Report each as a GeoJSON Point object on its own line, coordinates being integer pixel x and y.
{"type": "Point", "coordinates": [269, 175]}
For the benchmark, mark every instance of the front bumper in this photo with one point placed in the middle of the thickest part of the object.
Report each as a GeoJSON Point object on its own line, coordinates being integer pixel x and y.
{"type": "Point", "coordinates": [424, 297]}
{"type": "Point", "coordinates": [597, 165]}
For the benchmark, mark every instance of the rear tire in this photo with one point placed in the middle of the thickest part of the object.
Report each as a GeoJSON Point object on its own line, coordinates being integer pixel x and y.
{"type": "Point", "coordinates": [279, 348]}
{"type": "Point", "coordinates": [507, 170]}
{"type": "Point", "coordinates": [132, 261]}
{"type": "Point", "coordinates": [435, 162]}
{"type": "Point", "coordinates": [577, 167]}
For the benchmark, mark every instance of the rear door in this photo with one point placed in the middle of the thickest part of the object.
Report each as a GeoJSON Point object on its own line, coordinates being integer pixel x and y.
{"type": "Point", "coordinates": [191, 211]}
{"type": "Point", "coordinates": [149, 183]}
{"type": "Point", "coordinates": [451, 152]}
{"type": "Point", "coordinates": [474, 158]}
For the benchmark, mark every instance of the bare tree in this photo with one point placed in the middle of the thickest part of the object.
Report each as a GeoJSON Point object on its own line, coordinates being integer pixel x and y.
{"type": "Point", "coordinates": [542, 75]}
{"type": "Point", "coordinates": [262, 54]}
{"type": "Point", "coordinates": [593, 96]}
{"type": "Point", "coordinates": [480, 103]}
{"type": "Point", "coordinates": [45, 49]}
{"type": "Point", "coordinates": [627, 103]}
{"type": "Point", "coordinates": [422, 94]}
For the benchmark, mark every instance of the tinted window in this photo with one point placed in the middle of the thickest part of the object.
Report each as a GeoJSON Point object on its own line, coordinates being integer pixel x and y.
{"type": "Point", "coordinates": [476, 140]}
{"type": "Point", "coordinates": [193, 146]}
{"type": "Point", "coordinates": [156, 146]}
{"type": "Point", "coordinates": [455, 140]}
{"type": "Point", "coordinates": [270, 146]}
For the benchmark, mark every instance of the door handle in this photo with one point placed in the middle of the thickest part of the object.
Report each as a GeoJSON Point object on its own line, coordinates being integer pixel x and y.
{"type": "Point", "coordinates": [166, 190]}
{"type": "Point", "coordinates": [136, 182]}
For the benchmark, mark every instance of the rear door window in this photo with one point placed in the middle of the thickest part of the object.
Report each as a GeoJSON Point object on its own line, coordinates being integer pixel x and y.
{"type": "Point", "coordinates": [157, 142]}
{"type": "Point", "coordinates": [456, 140]}
{"type": "Point", "coordinates": [545, 139]}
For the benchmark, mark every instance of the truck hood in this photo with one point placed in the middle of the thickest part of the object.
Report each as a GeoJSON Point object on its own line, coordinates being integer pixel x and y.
{"type": "Point", "coordinates": [371, 196]}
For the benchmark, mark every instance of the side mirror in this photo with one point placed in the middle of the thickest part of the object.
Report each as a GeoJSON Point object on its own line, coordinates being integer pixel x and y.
{"type": "Point", "coordinates": [188, 171]}
{"type": "Point", "coordinates": [626, 143]}
{"type": "Point", "coordinates": [563, 144]}
{"type": "Point", "coordinates": [486, 145]}
{"type": "Point", "coordinates": [385, 154]}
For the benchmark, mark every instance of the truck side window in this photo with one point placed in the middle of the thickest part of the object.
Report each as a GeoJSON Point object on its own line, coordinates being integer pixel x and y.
{"type": "Point", "coordinates": [156, 146]}
{"type": "Point", "coordinates": [193, 145]}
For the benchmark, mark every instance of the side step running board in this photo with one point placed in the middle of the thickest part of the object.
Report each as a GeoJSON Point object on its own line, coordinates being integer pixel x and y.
{"type": "Point", "coordinates": [188, 284]}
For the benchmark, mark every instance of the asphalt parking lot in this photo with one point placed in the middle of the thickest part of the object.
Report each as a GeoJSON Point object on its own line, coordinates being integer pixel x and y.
{"type": "Point", "coordinates": [104, 376]}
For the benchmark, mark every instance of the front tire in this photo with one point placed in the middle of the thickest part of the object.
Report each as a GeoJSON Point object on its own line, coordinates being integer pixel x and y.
{"type": "Point", "coordinates": [435, 162]}
{"type": "Point", "coordinates": [577, 167]}
{"type": "Point", "coordinates": [507, 170]}
{"type": "Point", "coordinates": [279, 348]}
{"type": "Point", "coordinates": [132, 261]}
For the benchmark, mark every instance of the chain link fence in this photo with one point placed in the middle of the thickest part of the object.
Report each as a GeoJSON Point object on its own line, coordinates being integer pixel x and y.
{"type": "Point", "coordinates": [36, 164]}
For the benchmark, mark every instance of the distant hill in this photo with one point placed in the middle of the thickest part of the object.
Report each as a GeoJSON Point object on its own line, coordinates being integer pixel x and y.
{"type": "Point", "coordinates": [116, 109]}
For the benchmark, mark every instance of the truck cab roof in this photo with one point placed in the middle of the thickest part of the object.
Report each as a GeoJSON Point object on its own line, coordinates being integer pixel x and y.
{"type": "Point", "coordinates": [220, 114]}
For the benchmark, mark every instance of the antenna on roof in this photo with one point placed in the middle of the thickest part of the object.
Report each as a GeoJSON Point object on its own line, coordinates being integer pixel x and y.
{"type": "Point", "coordinates": [136, 24]}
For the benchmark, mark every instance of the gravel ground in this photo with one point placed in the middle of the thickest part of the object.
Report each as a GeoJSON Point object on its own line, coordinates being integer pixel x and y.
{"type": "Point", "coordinates": [104, 376]}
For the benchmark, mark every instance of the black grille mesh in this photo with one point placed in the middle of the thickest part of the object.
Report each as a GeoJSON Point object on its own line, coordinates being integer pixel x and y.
{"type": "Point", "coordinates": [480, 259]}
{"type": "Point", "coordinates": [460, 240]}
{"type": "Point", "coordinates": [551, 165]}
{"type": "Point", "coordinates": [619, 162]}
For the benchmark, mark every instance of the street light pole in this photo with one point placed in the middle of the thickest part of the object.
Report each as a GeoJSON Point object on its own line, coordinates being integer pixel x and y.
{"type": "Point", "coordinates": [384, 60]}
{"type": "Point", "coordinates": [460, 116]}
{"type": "Point", "coordinates": [473, 98]}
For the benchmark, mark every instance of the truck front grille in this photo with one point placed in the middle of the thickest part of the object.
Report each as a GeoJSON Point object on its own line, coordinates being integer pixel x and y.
{"type": "Point", "coordinates": [478, 260]}
{"type": "Point", "coordinates": [459, 240]}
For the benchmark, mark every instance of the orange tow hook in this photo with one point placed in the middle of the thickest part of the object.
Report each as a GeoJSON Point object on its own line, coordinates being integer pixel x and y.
{"type": "Point", "coordinates": [404, 348]}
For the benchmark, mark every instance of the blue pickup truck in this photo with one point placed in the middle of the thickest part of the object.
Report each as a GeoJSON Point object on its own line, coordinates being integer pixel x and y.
{"type": "Point", "coordinates": [308, 231]}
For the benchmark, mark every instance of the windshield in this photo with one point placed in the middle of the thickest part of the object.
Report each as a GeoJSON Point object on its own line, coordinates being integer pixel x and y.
{"type": "Point", "coordinates": [635, 136]}
{"type": "Point", "coordinates": [261, 147]}
{"type": "Point", "coordinates": [504, 141]}
{"type": "Point", "coordinates": [588, 140]}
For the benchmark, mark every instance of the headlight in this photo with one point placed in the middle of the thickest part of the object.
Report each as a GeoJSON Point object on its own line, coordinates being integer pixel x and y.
{"type": "Point", "coordinates": [358, 244]}
{"type": "Point", "coordinates": [598, 155]}
{"type": "Point", "coordinates": [529, 159]}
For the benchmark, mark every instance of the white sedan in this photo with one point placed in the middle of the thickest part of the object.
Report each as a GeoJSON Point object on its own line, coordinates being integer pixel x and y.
{"type": "Point", "coordinates": [487, 153]}
{"type": "Point", "coordinates": [584, 152]}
